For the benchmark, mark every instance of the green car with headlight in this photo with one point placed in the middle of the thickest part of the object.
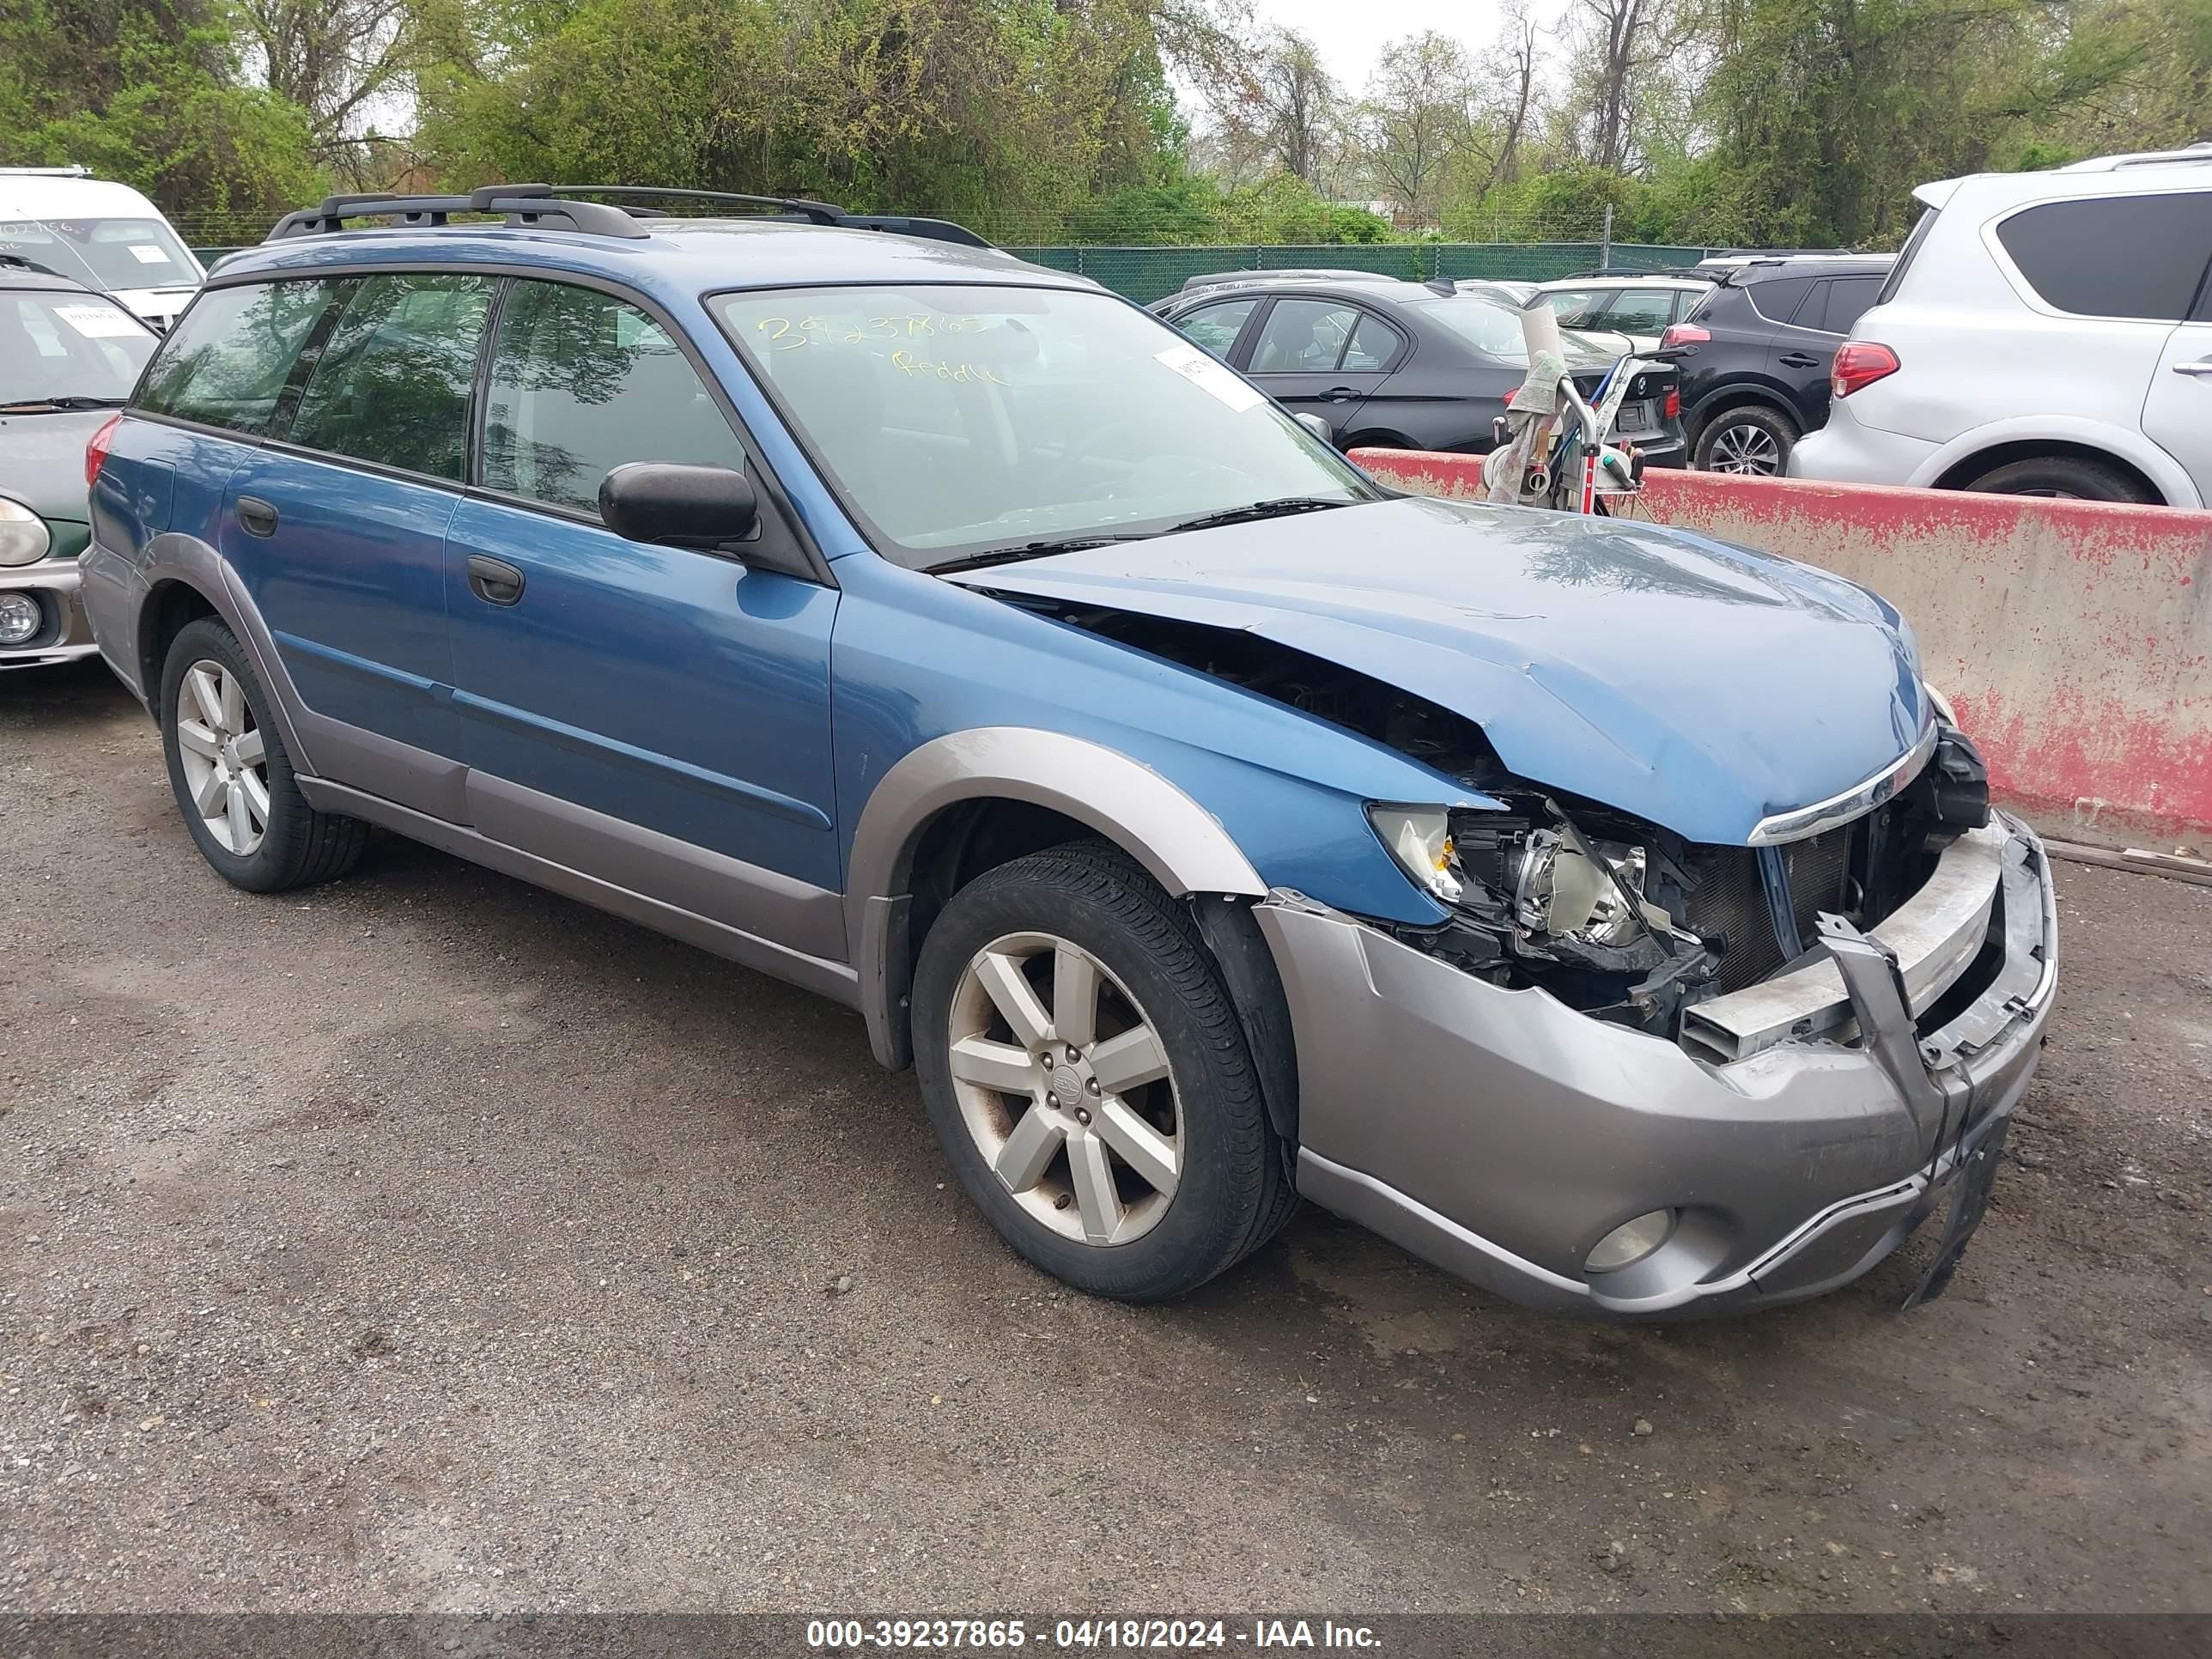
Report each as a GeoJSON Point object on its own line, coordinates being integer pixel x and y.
{"type": "Point", "coordinates": [69, 357]}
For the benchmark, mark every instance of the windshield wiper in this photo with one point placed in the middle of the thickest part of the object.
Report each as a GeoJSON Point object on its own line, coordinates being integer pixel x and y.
{"type": "Point", "coordinates": [67, 400]}
{"type": "Point", "coordinates": [1275, 509]}
{"type": "Point", "coordinates": [1031, 551]}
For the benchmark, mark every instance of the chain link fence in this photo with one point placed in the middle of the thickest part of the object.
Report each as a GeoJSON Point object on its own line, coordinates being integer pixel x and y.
{"type": "Point", "coordinates": [1146, 274]}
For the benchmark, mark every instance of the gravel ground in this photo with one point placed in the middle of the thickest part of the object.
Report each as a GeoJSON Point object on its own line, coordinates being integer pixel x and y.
{"type": "Point", "coordinates": [429, 1242]}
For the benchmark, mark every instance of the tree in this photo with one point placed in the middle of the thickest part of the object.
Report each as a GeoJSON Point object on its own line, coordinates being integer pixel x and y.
{"type": "Point", "coordinates": [1627, 60]}
{"type": "Point", "coordinates": [151, 92]}
{"type": "Point", "coordinates": [1415, 121]}
{"type": "Point", "coordinates": [330, 56]}
{"type": "Point", "coordinates": [1298, 108]}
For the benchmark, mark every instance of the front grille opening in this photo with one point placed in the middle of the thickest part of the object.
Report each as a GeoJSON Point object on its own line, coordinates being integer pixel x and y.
{"type": "Point", "coordinates": [1728, 903]}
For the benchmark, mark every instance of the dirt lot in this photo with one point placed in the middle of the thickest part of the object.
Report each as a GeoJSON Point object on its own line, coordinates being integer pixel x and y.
{"type": "Point", "coordinates": [427, 1241]}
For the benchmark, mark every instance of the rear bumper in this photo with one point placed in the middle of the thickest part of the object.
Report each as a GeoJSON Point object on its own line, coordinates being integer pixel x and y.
{"type": "Point", "coordinates": [1844, 451]}
{"type": "Point", "coordinates": [1501, 1135]}
{"type": "Point", "coordinates": [66, 636]}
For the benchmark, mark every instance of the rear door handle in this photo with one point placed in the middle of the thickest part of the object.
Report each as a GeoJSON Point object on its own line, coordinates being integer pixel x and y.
{"type": "Point", "coordinates": [1340, 394]}
{"type": "Point", "coordinates": [2201, 369]}
{"type": "Point", "coordinates": [1799, 359]}
{"type": "Point", "coordinates": [493, 581]}
{"type": "Point", "coordinates": [256, 516]}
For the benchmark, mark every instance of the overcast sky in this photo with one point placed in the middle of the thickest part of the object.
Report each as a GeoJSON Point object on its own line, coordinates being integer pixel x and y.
{"type": "Point", "coordinates": [1350, 36]}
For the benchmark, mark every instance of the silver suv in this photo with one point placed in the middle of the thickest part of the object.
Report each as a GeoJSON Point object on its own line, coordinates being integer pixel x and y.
{"type": "Point", "coordinates": [2042, 334]}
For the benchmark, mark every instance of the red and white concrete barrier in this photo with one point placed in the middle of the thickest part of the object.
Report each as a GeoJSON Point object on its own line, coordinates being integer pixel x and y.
{"type": "Point", "coordinates": [2074, 637]}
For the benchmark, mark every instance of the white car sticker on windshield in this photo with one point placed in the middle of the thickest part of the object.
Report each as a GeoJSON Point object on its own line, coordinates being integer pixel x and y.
{"type": "Point", "coordinates": [1209, 376]}
{"type": "Point", "coordinates": [148, 254]}
{"type": "Point", "coordinates": [96, 322]}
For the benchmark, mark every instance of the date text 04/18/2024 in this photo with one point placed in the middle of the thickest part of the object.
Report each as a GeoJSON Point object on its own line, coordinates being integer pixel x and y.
{"type": "Point", "coordinates": [1084, 1635]}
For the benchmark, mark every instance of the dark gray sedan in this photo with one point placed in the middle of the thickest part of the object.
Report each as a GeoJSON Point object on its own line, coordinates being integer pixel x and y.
{"type": "Point", "coordinates": [1404, 365]}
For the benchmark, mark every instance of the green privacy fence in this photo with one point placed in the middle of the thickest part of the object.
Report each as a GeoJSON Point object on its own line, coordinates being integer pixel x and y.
{"type": "Point", "coordinates": [1146, 274]}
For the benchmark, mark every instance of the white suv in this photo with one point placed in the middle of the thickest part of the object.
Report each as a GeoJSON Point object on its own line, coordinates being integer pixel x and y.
{"type": "Point", "coordinates": [2042, 334]}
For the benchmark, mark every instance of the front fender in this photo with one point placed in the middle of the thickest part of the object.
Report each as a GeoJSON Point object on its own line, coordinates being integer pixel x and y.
{"type": "Point", "coordinates": [1182, 846]}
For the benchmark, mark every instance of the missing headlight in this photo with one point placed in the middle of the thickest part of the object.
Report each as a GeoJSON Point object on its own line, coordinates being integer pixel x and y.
{"type": "Point", "coordinates": [1592, 918]}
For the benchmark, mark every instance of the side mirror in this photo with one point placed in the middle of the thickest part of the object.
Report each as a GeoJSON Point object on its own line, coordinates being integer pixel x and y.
{"type": "Point", "coordinates": [1315, 424]}
{"type": "Point", "coordinates": [678, 506]}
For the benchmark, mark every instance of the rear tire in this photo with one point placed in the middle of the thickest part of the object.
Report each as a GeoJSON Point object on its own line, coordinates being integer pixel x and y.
{"type": "Point", "coordinates": [233, 776]}
{"type": "Point", "coordinates": [1750, 441]}
{"type": "Point", "coordinates": [2066, 478]}
{"type": "Point", "coordinates": [1058, 1135]}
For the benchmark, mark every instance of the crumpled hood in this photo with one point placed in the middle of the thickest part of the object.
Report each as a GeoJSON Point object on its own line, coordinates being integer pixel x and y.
{"type": "Point", "coordinates": [1699, 685]}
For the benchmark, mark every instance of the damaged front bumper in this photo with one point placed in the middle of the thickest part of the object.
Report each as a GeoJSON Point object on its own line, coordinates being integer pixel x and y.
{"type": "Point", "coordinates": [1798, 1134]}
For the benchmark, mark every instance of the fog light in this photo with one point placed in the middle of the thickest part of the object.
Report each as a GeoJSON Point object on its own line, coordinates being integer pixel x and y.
{"type": "Point", "coordinates": [1631, 1242]}
{"type": "Point", "coordinates": [21, 619]}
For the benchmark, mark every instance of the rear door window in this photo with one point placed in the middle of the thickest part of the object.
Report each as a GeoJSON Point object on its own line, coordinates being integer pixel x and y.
{"type": "Point", "coordinates": [392, 383]}
{"type": "Point", "coordinates": [581, 382]}
{"type": "Point", "coordinates": [1373, 344]}
{"type": "Point", "coordinates": [2115, 255]}
{"type": "Point", "coordinates": [225, 364]}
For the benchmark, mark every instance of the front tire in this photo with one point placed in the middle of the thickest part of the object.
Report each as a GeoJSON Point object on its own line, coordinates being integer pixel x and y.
{"type": "Point", "coordinates": [232, 776]}
{"type": "Point", "coordinates": [1750, 441]}
{"type": "Point", "coordinates": [1088, 1078]}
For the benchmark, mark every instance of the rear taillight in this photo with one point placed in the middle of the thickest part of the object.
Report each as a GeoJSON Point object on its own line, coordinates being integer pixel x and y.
{"type": "Point", "coordinates": [1859, 363]}
{"type": "Point", "coordinates": [1674, 403]}
{"type": "Point", "coordinates": [1509, 396]}
{"type": "Point", "coordinates": [95, 453]}
{"type": "Point", "coordinates": [1683, 334]}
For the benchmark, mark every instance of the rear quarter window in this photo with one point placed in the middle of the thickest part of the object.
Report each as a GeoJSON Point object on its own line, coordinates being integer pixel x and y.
{"type": "Point", "coordinates": [1778, 298]}
{"type": "Point", "coordinates": [2114, 256]}
{"type": "Point", "coordinates": [226, 362]}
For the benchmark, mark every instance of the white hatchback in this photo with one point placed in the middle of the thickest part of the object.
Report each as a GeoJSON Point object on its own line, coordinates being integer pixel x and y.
{"type": "Point", "coordinates": [2042, 334]}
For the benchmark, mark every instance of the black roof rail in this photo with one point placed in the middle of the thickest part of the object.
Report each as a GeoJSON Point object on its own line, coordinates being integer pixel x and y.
{"type": "Point", "coordinates": [797, 207]}
{"type": "Point", "coordinates": [519, 205]}
{"type": "Point", "coordinates": [558, 206]}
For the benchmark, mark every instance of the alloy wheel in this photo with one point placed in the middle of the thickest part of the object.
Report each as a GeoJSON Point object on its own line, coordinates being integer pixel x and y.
{"type": "Point", "coordinates": [1745, 449]}
{"type": "Point", "coordinates": [225, 757]}
{"type": "Point", "coordinates": [1065, 1085]}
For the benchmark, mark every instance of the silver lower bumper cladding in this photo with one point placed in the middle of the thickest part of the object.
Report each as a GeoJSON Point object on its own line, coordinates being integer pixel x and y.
{"type": "Point", "coordinates": [1501, 1134]}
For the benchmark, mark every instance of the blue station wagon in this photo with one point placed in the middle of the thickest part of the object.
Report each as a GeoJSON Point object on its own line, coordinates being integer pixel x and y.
{"type": "Point", "coordinates": [1608, 915]}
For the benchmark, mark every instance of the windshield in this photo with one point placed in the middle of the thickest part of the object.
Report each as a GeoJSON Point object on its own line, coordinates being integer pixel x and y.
{"type": "Point", "coordinates": [68, 345]}
{"type": "Point", "coordinates": [109, 254]}
{"type": "Point", "coordinates": [959, 421]}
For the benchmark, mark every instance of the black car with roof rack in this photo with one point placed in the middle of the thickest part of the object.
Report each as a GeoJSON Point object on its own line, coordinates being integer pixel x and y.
{"type": "Point", "coordinates": [1755, 352]}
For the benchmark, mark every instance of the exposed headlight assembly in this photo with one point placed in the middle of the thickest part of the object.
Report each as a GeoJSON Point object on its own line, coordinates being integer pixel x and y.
{"type": "Point", "coordinates": [23, 536]}
{"type": "Point", "coordinates": [1544, 883]}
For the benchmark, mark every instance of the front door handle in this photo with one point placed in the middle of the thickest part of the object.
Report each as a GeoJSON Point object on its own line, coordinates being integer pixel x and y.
{"type": "Point", "coordinates": [493, 581]}
{"type": "Point", "coordinates": [1799, 359]}
{"type": "Point", "coordinates": [256, 517]}
{"type": "Point", "coordinates": [1340, 394]}
{"type": "Point", "coordinates": [2201, 369]}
